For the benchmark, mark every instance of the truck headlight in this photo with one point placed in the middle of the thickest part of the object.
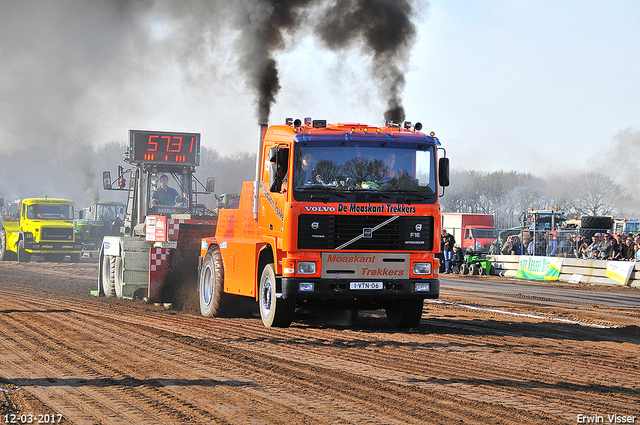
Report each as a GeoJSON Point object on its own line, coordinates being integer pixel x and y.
{"type": "Point", "coordinates": [421, 268]}
{"type": "Point", "coordinates": [28, 235]}
{"type": "Point", "coordinates": [306, 267]}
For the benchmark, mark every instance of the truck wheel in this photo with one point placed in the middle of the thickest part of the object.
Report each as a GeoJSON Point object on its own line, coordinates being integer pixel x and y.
{"type": "Point", "coordinates": [275, 312]}
{"type": "Point", "coordinates": [117, 277]}
{"type": "Point", "coordinates": [23, 256]}
{"type": "Point", "coordinates": [404, 313]}
{"type": "Point", "coordinates": [214, 302]}
{"type": "Point", "coordinates": [108, 284]}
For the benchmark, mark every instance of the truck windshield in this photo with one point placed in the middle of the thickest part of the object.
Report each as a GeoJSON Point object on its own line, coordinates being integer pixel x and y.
{"type": "Point", "coordinates": [50, 212]}
{"type": "Point", "coordinates": [110, 212]}
{"type": "Point", "coordinates": [398, 168]}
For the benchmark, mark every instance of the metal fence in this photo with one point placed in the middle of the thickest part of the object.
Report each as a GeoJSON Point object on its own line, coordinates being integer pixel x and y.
{"type": "Point", "coordinates": [567, 243]}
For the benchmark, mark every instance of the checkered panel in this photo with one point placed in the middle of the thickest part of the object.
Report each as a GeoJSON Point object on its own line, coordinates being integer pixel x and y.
{"type": "Point", "coordinates": [158, 258]}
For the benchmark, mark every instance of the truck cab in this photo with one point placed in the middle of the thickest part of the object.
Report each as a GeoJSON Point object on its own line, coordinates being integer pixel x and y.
{"type": "Point", "coordinates": [102, 218]}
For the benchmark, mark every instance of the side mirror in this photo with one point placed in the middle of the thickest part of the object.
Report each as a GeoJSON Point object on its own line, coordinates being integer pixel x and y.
{"type": "Point", "coordinates": [443, 172]}
{"type": "Point", "coordinates": [210, 185]}
{"type": "Point", "coordinates": [80, 215]}
{"type": "Point", "coordinates": [106, 180]}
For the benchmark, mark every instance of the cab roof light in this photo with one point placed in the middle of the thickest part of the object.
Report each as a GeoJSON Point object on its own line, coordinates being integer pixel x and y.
{"type": "Point", "coordinates": [418, 126]}
{"type": "Point", "coordinates": [297, 123]}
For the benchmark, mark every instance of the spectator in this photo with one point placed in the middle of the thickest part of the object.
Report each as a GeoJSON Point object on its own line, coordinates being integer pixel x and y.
{"type": "Point", "coordinates": [583, 251]}
{"type": "Point", "coordinates": [457, 260]}
{"type": "Point", "coordinates": [535, 247]}
{"type": "Point", "coordinates": [552, 245]}
{"type": "Point", "coordinates": [604, 247]}
{"type": "Point", "coordinates": [592, 250]}
{"type": "Point", "coordinates": [516, 248]}
{"type": "Point", "coordinates": [636, 255]}
{"type": "Point", "coordinates": [626, 249]}
{"type": "Point", "coordinates": [448, 242]}
{"type": "Point", "coordinates": [614, 255]}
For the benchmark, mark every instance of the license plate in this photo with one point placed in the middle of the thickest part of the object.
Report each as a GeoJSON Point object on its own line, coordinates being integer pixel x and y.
{"type": "Point", "coordinates": [366, 285]}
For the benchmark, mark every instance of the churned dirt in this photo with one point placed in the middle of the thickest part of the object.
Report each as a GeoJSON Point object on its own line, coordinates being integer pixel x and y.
{"type": "Point", "coordinates": [69, 357]}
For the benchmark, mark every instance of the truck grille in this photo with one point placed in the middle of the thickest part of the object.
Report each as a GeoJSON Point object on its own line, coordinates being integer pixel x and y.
{"type": "Point", "coordinates": [365, 232]}
{"type": "Point", "coordinates": [56, 234]}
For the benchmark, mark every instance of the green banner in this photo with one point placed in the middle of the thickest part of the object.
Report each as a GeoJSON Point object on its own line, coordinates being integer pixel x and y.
{"type": "Point", "coordinates": [539, 268]}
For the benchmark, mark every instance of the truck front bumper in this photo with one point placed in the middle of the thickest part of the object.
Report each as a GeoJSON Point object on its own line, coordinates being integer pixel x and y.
{"type": "Point", "coordinates": [344, 289]}
{"type": "Point", "coordinates": [53, 247]}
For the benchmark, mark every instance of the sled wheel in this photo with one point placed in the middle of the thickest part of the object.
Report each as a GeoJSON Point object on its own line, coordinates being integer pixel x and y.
{"type": "Point", "coordinates": [108, 283]}
{"type": "Point", "coordinates": [404, 313]}
{"type": "Point", "coordinates": [275, 312]}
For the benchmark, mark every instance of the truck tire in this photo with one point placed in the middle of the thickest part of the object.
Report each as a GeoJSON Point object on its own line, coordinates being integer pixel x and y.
{"type": "Point", "coordinates": [404, 313]}
{"type": "Point", "coordinates": [274, 311]}
{"type": "Point", "coordinates": [23, 256]}
{"type": "Point", "coordinates": [108, 283]}
{"type": "Point", "coordinates": [590, 225]}
{"type": "Point", "coordinates": [118, 282]}
{"type": "Point", "coordinates": [214, 302]}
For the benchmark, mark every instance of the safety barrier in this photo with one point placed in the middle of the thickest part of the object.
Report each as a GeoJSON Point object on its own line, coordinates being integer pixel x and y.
{"type": "Point", "coordinates": [573, 270]}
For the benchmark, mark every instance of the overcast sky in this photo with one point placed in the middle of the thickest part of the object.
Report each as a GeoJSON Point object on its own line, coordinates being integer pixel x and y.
{"type": "Point", "coordinates": [533, 86]}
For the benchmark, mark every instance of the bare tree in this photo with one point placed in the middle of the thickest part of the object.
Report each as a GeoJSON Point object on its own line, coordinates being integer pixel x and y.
{"type": "Point", "coordinates": [595, 194]}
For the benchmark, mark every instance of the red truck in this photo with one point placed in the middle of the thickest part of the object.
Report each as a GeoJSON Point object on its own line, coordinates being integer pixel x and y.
{"type": "Point", "coordinates": [471, 231]}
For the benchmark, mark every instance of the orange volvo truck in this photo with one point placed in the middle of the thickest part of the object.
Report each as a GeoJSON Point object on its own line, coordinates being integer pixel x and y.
{"type": "Point", "coordinates": [342, 216]}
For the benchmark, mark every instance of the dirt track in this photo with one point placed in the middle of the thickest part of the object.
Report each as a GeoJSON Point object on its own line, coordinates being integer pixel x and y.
{"type": "Point", "coordinates": [96, 360]}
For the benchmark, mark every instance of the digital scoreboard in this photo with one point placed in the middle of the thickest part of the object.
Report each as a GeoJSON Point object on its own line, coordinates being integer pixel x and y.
{"type": "Point", "coordinates": [162, 147]}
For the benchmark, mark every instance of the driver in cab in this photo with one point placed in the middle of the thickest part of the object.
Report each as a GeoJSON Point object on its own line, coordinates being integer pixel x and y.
{"type": "Point", "coordinates": [165, 195]}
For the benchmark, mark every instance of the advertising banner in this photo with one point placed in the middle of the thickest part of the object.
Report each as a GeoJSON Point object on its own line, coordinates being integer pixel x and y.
{"type": "Point", "coordinates": [620, 271]}
{"type": "Point", "coordinates": [539, 268]}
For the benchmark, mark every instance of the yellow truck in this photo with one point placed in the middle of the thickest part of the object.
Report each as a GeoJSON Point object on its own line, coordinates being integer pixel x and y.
{"type": "Point", "coordinates": [45, 227]}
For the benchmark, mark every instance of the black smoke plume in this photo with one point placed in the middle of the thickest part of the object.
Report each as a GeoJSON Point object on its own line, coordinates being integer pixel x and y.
{"type": "Point", "coordinates": [381, 28]}
{"type": "Point", "coordinates": [263, 25]}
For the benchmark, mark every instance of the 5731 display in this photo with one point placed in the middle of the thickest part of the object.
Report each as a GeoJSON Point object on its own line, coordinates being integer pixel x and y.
{"type": "Point", "coordinates": [162, 147]}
